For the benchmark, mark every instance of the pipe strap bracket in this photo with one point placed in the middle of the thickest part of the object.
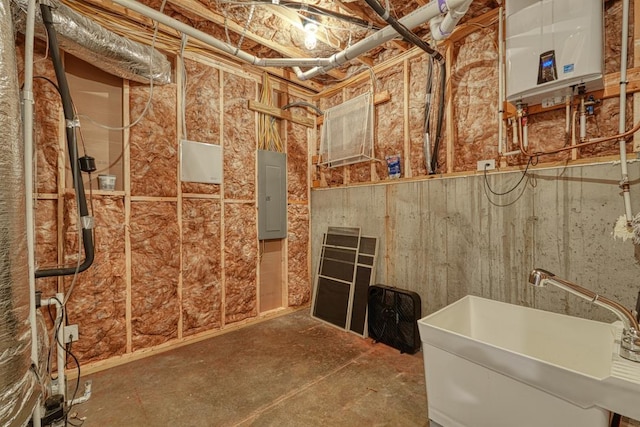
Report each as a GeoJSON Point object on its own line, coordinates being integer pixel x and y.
{"type": "Point", "coordinates": [74, 123]}
{"type": "Point", "coordinates": [88, 222]}
{"type": "Point", "coordinates": [27, 95]}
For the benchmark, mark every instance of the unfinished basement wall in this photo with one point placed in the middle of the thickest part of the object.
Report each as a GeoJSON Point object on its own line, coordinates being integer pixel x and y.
{"type": "Point", "coordinates": [445, 238]}
{"type": "Point", "coordinates": [470, 131]}
{"type": "Point", "coordinates": [175, 261]}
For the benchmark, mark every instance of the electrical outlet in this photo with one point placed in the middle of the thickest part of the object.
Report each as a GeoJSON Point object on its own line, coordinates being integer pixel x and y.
{"type": "Point", "coordinates": [70, 333]}
{"type": "Point", "coordinates": [486, 165]}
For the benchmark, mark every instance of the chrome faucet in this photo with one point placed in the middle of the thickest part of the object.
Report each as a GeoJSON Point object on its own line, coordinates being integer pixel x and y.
{"type": "Point", "coordinates": [630, 345]}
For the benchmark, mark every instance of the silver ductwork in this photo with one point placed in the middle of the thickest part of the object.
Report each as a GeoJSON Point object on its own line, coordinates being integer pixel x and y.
{"type": "Point", "coordinates": [85, 39]}
{"type": "Point", "coordinates": [18, 386]}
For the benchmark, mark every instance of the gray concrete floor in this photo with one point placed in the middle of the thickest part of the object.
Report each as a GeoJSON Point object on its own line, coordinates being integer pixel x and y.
{"type": "Point", "coordinates": [288, 371]}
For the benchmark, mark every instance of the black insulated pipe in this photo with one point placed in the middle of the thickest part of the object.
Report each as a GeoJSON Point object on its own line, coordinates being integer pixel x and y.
{"type": "Point", "coordinates": [67, 107]}
{"type": "Point", "coordinates": [404, 31]}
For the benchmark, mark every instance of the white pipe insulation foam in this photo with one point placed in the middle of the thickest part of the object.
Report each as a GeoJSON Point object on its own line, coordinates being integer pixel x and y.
{"type": "Point", "coordinates": [19, 390]}
{"type": "Point", "coordinates": [453, 8]}
{"type": "Point", "coordinates": [87, 40]}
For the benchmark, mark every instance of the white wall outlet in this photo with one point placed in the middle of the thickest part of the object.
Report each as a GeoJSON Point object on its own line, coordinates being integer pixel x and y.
{"type": "Point", "coordinates": [486, 165]}
{"type": "Point", "coordinates": [70, 333]}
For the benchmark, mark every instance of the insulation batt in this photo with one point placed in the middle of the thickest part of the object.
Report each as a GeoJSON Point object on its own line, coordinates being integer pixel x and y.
{"type": "Point", "coordinates": [359, 172]}
{"type": "Point", "coordinates": [18, 388]}
{"type": "Point", "coordinates": [201, 278]}
{"type": "Point", "coordinates": [475, 99]}
{"type": "Point", "coordinates": [155, 268]}
{"type": "Point", "coordinates": [47, 243]}
{"type": "Point", "coordinates": [298, 248]}
{"type": "Point", "coordinates": [154, 154]}
{"type": "Point", "coordinates": [417, 89]}
{"type": "Point", "coordinates": [239, 138]}
{"type": "Point", "coordinates": [389, 120]}
{"type": "Point", "coordinates": [297, 160]}
{"type": "Point", "coordinates": [97, 303]}
{"type": "Point", "coordinates": [240, 261]}
{"type": "Point", "coordinates": [202, 111]}
{"type": "Point", "coordinates": [85, 39]}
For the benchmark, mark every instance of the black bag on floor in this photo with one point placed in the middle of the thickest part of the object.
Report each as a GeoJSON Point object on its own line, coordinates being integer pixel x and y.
{"type": "Point", "coordinates": [393, 317]}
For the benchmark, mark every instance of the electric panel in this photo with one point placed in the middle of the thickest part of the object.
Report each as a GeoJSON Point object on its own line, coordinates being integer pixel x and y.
{"type": "Point", "coordinates": [272, 195]}
{"type": "Point", "coordinates": [551, 46]}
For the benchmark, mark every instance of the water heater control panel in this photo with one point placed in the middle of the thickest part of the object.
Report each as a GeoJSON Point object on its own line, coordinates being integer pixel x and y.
{"type": "Point", "coordinates": [551, 46]}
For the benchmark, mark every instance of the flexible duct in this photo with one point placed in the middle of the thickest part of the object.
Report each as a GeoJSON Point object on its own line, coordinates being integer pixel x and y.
{"type": "Point", "coordinates": [18, 387]}
{"type": "Point", "coordinates": [85, 39]}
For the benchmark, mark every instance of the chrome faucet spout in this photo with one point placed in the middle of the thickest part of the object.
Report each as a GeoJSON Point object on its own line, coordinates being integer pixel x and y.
{"type": "Point", "coordinates": [630, 345]}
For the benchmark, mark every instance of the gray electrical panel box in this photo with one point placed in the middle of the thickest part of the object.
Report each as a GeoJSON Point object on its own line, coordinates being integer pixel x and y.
{"type": "Point", "coordinates": [272, 195]}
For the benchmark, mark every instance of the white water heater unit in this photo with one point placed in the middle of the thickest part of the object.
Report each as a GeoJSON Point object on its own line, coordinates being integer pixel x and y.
{"type": "Point", "coordinates": [552, 46]}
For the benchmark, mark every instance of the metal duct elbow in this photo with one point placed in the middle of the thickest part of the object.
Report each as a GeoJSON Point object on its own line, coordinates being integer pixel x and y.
{"type": "Point", "coordinates": [19, 389]}
{"type": "Point", "coordinates": [85, 39]}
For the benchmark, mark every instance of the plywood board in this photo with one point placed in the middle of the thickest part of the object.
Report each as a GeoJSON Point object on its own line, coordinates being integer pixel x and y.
{"type": "Point", "coordinates": [271, 274]}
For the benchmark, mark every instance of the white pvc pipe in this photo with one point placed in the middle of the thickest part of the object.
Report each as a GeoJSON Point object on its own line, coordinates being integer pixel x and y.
{"type": "Point", "coordinates": [501, 144]}
{"type": "Point", "coordinates": [583, 120]}
{"type": "Point", "coordinates": [321, 65]}
{"type": "Point", "coordinates": [27, 108]}
{"type": "Point", "coordinates": [623, 111]}
{"type": "Point", "coordinates": [59, 340]}
{"type": "Point", "coordinates": [450, 21]}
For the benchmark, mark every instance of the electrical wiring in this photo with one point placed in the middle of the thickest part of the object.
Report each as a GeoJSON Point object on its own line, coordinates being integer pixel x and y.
{"type": "Point", "coordinates": [268, 136]}
{"type": "Point", "coordinates": [504, 193]}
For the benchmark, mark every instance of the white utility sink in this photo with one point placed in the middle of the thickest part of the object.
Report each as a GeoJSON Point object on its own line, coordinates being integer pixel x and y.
{"type": "Point", "coordinates": [489, 363]}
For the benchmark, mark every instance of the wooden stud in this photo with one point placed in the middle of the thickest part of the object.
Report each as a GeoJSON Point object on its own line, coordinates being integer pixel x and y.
{"type": "Point", "coordinates": [449, 109]}
{"type": "Point", "coordinates": [223, 292]}
{"type": "Point", "coordinates": [280, 114]}
{"type": "Point", "coordinates": [636, 64]}
{"type": "Point", "coordinates": [179, 64]}
{"type": "Point", "coordinates": [126, 157]}
{"type": "Point", "coordinates": [406, 77]}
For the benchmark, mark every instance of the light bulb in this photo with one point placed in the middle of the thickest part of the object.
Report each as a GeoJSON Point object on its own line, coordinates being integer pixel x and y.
{"type": "Point", "coordinates": [310, 30]}
{"type": "Point", "coordinates": [310, 41]}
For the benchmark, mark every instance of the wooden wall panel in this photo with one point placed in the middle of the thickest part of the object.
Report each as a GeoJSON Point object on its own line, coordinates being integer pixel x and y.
{"type": "Point", "coordinates": [201, 278]}
{"type": "Point", "coordinates": [240, 261]}
{"type": "Point", "coordinates": [155, 268]}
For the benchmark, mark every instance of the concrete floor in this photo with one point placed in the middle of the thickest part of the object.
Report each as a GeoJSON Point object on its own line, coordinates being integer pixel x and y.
{"type": "Point", "coordinates": [288, 371]}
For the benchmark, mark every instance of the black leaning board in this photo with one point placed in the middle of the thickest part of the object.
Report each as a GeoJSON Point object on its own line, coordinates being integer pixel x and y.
{"type": "Point", "coordinates": [393, 317]}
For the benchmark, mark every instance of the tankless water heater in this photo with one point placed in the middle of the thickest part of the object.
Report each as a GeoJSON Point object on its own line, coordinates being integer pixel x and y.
{"type": "Point", "coordinates": [552, 46]}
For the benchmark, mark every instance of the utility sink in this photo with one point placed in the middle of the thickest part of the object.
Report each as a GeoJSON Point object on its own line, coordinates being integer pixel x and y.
{"type": "Point", "coordinates": [489, 363]}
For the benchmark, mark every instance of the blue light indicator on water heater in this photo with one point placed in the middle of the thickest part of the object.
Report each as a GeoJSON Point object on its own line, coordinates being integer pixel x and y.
{"type": "Point", "coordinates": [547, 69]}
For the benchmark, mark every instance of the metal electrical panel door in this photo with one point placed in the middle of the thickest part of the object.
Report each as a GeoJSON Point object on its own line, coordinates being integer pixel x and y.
{"type": "Point", "coordinates": [272, 195]}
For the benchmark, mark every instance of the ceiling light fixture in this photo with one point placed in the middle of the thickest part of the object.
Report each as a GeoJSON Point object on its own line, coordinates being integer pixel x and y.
{"type": "Point", "coordinates": [310, 28]}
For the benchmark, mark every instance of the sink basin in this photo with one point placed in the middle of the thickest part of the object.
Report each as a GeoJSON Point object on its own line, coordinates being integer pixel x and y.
{"type": "Point", "coordinates": [489, 363]}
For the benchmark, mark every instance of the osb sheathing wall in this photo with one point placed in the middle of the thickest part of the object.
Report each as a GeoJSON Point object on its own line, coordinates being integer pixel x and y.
{"type": "Point", "coordinates": [175, 262]}
{"type": "Point", "coordinates": [470, 132]}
